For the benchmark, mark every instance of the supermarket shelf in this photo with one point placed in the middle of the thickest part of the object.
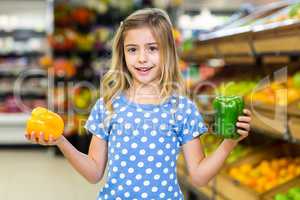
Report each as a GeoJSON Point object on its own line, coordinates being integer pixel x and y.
{"type": "Point", "coordinates": [23, 54]}
{"type": "Point", "coordinates": [23, 34]}
{"type": "Point", "coordinates": [13, 119]}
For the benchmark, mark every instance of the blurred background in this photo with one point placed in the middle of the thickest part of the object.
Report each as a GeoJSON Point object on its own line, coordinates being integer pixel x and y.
{"type": "Point", "coordinates": [53, 53]}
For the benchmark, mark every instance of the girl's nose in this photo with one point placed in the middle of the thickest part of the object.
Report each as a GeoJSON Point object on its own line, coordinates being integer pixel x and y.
{"type": "Point", "coordinates": [143, 56]}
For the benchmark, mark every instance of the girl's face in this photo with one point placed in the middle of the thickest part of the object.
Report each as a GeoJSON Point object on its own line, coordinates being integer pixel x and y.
{"type": "Point", "coordinates": [142, 56]}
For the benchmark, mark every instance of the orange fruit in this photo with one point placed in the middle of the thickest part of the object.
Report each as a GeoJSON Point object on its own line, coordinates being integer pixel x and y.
{"type": "Point", "coordinates": [46, 121]}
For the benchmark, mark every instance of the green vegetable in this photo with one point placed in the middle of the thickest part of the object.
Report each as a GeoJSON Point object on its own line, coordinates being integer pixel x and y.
{"type": "Point", "coordinates": [296, 79]}
{"type": "Point", "coordinates": [227, 110]}
{"type": "Point", "coordinates": [294, 10]}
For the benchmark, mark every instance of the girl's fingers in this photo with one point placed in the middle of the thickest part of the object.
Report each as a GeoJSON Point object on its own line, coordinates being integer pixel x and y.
{"type": "Point", "coordinates": [245, 126]}
{"type": "Point", "coordinates": [245, 119]}
{"type": "Point", "coordinates": [51, 139]}
{"type": "Point", "coordinates": [243, 133]}
{"type": "Point", "coordinates": [247, 112]}
{"type": "Point", "coordinates": [32, 137]}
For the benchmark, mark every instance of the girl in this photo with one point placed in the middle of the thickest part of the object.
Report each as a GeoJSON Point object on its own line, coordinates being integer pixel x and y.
{"type": "Point", "coordinates": [144, 119]}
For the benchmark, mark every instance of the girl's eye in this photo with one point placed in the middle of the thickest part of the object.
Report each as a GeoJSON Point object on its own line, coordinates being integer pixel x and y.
{"type": "Point", "coordinates": [153, 48]}
{"type": "Point", "coordinates": [131, 50]}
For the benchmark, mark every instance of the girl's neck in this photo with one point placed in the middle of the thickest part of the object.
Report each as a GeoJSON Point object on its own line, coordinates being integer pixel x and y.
{"type": "Point", "coordinates": [144, 93]}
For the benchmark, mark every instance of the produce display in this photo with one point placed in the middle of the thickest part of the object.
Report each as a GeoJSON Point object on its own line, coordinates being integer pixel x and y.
{"type": "Point", "coordinates": [292, 194]}
{"type": "Point", "coordinates": [266, 174]}
{"type": "Point", "coordinates": [46, 121]}
{"type": "Point", "coordinates": [278, 93]}
{"type": "Point", "coordinates": [292, 12]}
{"type": "Point", "coordinates": [211, 143]}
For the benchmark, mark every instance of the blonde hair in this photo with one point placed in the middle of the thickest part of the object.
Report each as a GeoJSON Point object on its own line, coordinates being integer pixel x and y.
{"type": "Point", "coordinates": [118, 78]}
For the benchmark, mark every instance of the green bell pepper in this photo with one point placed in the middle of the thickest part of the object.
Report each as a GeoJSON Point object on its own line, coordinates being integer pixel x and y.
{"type": "Point", "coordinates": [227, 110]}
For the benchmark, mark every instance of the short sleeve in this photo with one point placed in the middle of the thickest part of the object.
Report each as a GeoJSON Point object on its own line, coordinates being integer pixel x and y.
{"type": "Point", "coordinates": [192, 124]}
{"type": "Point", "coordinates": [95, 122]}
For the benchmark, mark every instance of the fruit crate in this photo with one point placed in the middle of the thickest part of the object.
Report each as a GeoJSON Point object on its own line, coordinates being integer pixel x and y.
{"type": "Point", "coordinates": [294, 127]}
{"type": "Point", "coordinates": [282, 189]}
{"type": "Point", "coordinates": [233, 189]}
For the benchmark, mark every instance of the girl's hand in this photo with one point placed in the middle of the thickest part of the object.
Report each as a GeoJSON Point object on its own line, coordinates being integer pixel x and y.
{"type": "Point", "coordinates": [243, 124]}
{"type": "Point", "coordinates": [40, 139]}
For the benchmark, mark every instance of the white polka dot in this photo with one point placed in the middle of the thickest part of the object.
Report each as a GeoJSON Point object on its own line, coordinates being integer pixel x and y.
{"type": "Point", "coordinates": [136, 189]}
{"type": "Point", "coordinates": [123, 163]}
{"type": "Point", "coordinates": [155, 120]}
{"type": "Point", "coordinates": [130, 170]}
{"type": "Point", "coordinates": [152, 146]}
{"type": "Point", "coordinates": [122, 175]}
{"type": "Point", "coordinates": [185, 131]}
{"type": "Point", "coordinates": [112, 150]}
{"type": "Point", "coordinates": [172, 164]}
{"type": "Point", "coordinates": [161, 139]}
{"type": "Point", "coordinates": [127, 194]}
{"type": "Point", "coordinates": [195, 134]}
{"type": "Point", "coordinates": [119, 132]}
{"type": "Point", "coordinates": [170, 188]}
{"type": "Point", "coordinates": [192, 122]}
{"type": "Point", "coordinates": [128, 182]}
{"type": "Point", "coordinates": [127, 126]}
{"type": "Point", "coordinates": [145, 126]}
{"type": "Point", "coordinates": [140, 164]}
{"type": "Point", "coordinates": [134, 145]}
{"type": "Point", "coordinates": [162, 195]}
{"type": "Point", "coordinates": [115, 169]}
{"type": "Point", "coordinates": [120, 120]}
{"type": "Point", "coordinates": [164, 183]}
{"type": "Point", "coordinates": [135, 133]}
{"type": "Point", "coordinates": [126, 139]}
{"type": "Point", "coordinates": [164, 115]}
{"type": "Point", "coordinates": [158, 165]}
{"type": "Point", "coordinates": [166, 170]}
{"type": "Point", "coordinates": [168, 146]}
{"type": "Point", "coordinates": [181, 105]}
{"type": "Point", "coordinates": [138, 177]}
{"type": "Point", "coordinates": [189, 111]}
{"type": "Point", "coordinates": [153, 133]}
{"type": "Point", "coordinates": [116, 105]}
{"type": "Point", "coordinates": [129, 114]}
{"type": "Point", "coordinates": [93, 127]}
{"type": "Point", "coordinates": [137, 120]}
{"type": "Point", "coordinates": [144, 139]}
{"type": "Point", "coordinates": [173, 151]}
{"type": "Point", "coordinates": [160, 152]}
{"type": "Point", "coordinates": [167, 158]}
{"type": "Point", "coordinates": [142, 152]}
{"type": "Point", "coordinates": [172, 121]}
{"type": "Point", "coordinates": [179, 117]}
{"type": "Point", "coordinates": [118, 145]}
{"type": "Point", "coordinates": [156, 110]}
{"type": "Point", "coordinates": [112, 192]}
{"type": "Point", "coordinates": [150, 158]}
{"type": "Point", "coordinates": [114, 138]}
{"type": "Point", "coordinates": [117, 157]}
{"type": "Point", "coordinates": [123, 109]}
{"type": "Point", "coordinates": [113, 181]}
{"type": "Point", "coordinates": [139, 110]}
{"type": "Point", "coordinates": [163, 127]}
{"type": "Point", "coordinates": [101, 125]}
{"type": "Point", "coordinates": [146, 183]}
{"type": "Point", "coordinates": [154, 189]}
{"type": "Point", "coordinates": [147, 115]}
{"type": "Point", "coordinates": [156, 177]}
{"type": "Point", "coordinates": [124, 151]}
{"type": "Point", "coordinates": [120, 187]}
{"type": "Point", "coordinates": [176, 194]}
{"type": "Point", "coordinates": [144, 195]}
{"type": "Point", "coordinates": [148, 171]}
{"type": "Point", "coordinates": [132, 158]}
{"type": "Point", "coordinates": [171, 176]}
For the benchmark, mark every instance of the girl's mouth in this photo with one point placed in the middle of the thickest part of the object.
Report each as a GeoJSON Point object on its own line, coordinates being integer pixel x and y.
{"type": "Point", "coordinates": [143, 70]}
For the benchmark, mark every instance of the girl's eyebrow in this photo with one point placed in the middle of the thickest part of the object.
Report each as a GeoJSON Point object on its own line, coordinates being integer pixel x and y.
{"type": "Point", "coordinates": [150, 43]}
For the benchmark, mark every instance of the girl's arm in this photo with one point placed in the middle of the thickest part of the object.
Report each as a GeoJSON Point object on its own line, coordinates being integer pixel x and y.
{"type": "Point", "coordinates": [202, 169]}
{"type": "Point", "coordinates": [91, 166]}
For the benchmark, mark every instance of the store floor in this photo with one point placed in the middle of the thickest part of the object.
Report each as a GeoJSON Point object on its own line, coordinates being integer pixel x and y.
{"type": "Point", "coordinates": [36, 174]}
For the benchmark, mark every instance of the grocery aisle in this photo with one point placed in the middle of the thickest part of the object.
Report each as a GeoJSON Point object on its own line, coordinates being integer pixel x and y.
{"type": "Point", "coordinates": [33, 174]}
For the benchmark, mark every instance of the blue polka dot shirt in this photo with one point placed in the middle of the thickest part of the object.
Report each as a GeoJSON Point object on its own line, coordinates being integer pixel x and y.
{"type": "Point", "coordinates": [144, 141]}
